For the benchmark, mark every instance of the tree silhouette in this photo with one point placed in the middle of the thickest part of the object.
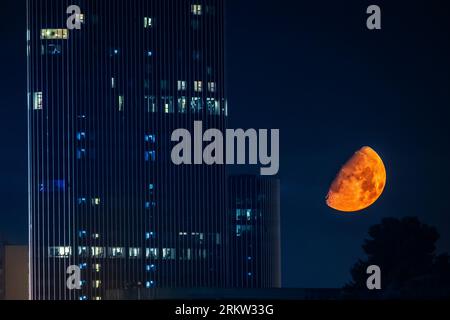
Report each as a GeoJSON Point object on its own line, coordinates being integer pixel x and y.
{"type": "Point", "coordinates": [404, 249]}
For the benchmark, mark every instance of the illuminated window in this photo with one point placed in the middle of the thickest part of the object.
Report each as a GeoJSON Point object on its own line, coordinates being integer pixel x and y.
{"type": "Point", "coordinates": [83, 266]}
{"type": "Point", "coordinates": [150, 103]}
{"type": "Point", "coordinates": [81, 200]}
{"type": "Point", "coordinates": [81, 153]}
{"type": "Point", "coordinates": [150, 156]}
{"type": "Point", "coordinates": [168, 254]}
{"type": "Point", "coordinates": [196, 9]}
{"type": "Point", "coordinates": [80, 17]}
{"type": "Point", "coordinates": [60, 252]}
{"type": "Point", "coordinates": [211, 86]}
{"type": "Point", "coordinates": [48, 34]}
{"type": "Point", "coordinates": [150, 205]}
{"type": "Point", "coordinates": [81, 136]}
{"type": "Point", "coordinates": [97, 252]}
{"type": "Point", "coordinates": [213, 106]}
{"type": "Point", "coordinates": [121, 103]}
{"type": "Point", "coordinates": [95, 201]}
{"type": "Point", "coordinates": [149, 284]}
{"type": "Point", "coordinates": [51, 49]}
{"type": "Point", "coordinates": [196, 104]}
{"type": "Point", "coordinates": [116, 252]}
{"type": "Point", "coordinates": [37, 101]}
{"type": "Point", "coordinates": [148, 22]}
{"type": "Point", "coordinates": [149, 235]}
{"type": "Point", "coordinates": [83, 251]}
{"type": "Point", "coordinates": [95, 236]}
{"type": "Point", "coordinates": [150, 138]}
{"type": "Point", "coordinates": [113, 82]}
{"type": "Point", "coordinates": [97, 298]}
{"type": "Point", "coordinates": [150, 267]}
{"type": "Point", "coordinates": [82, 234]}
{"type": "Point", "coordinates": [241, 229]}
{"type": "Point", "coordinates": [167, 104]}
{"type": "Point", "coordinates": [96, 267]}
{"type": "Point", "coordinates": [134, 252]}
{"type": "Point", "coordinates": [151, 253]}
{"type": "Point", "coordinates": [182, 85]}
{"type": "Point", "coordinates": [198, 86]}
{"type": "Point", "coordinates": [96, 284]}
{"type": "Point", "coordinates": [182, 104]}
{"type": "Point", "coordinates": [83, 298]}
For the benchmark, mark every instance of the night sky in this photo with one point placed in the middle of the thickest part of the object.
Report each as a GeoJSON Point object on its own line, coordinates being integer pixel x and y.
{"type": "Point", "coordinates": [331, 86]}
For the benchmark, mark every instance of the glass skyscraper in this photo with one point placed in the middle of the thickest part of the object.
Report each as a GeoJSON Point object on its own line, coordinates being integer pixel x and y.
{"type": "Point", "coordinates": [254, 209]}
{"type": "Point", "coordinates": [103, 101]}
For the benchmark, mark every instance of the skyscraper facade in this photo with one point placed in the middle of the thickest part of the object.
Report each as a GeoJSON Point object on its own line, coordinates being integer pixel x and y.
{"type": "Point", "coordinates": [105, 91]}
{"type": "Point", "coordinates": [254, 210]}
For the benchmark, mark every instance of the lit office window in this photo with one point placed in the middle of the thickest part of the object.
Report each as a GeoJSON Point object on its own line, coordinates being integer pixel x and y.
{"type": "Point", "coordinates": [168, 254]}
{"type": "Point", "coordinates": [150, 156]}
{"type": "Point", "coordinates": [37, 101]}
{"type": "Point", "coordinates": [81, 153]}
{"type": "Point", "coordinates": [150, 284]}
{"type": "Point", "coordinates": [241, 229]}
{"type": "Point", "coordinates": [113, 82]}
{"type": "Point", "coordinates": [82, 234]}
{"type": "Point", "coordinates": [213, 106]}
{"type": "Point", "coordinates": [211, 86]}
{"type": "Point", "coordinates": [83, 266]}
{"type": "Point", "coordinates": [151, 188]}
{"type": "Point", "coordinates": [97, 252]}
{"type": "Point", "coordinates": [150, 138]}
{"type": "Point", "coordinates": [51, 49]}
{"type": "Point", "coordinates": [196, 104]}
{"type": "Point", "coordinates": [96, 284]}
{"type": "Point", "coordinates": [81, 136]}
{"type": "Point", "coordinates": [150, 267]}
{"type": "Point", "coordinates": [182, 85]}
{"type": "Point", "coordinates": [98, 298]}
{"type": "Point", "coordinates": [80, 17]}
{"type": "Point", "coordinates": [151, 253]}
{"type": "Point", "coordinates": [95, 201]}
{"type": "Point", "coordinates": [148, 22]}
{"type": "Point", "coordinates": [96, 267]}
{"type": "Point", "coordinates": [196, 9]}
{"type": "Point", "coordinates": [95, 236]}
{"type": "Point", "coordinates": [121, 103]}
{"type": "Point", "coordinates": [198, 86]}
{"type": "Point", "coordinates": [83, 298]}
{"type": "Point", "coordinates": [49, 34]}
{"type": "Point", "coordinates": [182, 104]}
{"type": "Point", "coordinates": [150, 205]}
{"type": "Point", "coordinates": [116, 252]}
{"type": "Point", "coordinates": [167, 103]}
{"type": "Point", "coordinates": [150, 103]}
{"type": "Point", "coordinates": [81, 201]}
{"type": "Point", "coordinates": [60, 252]}
{"type": "Point", "coordinates": [134, 252]}
{"type": "Point", "coordinates": [149, 235]}
{"type": "Point", "coordinates": [82, 251]}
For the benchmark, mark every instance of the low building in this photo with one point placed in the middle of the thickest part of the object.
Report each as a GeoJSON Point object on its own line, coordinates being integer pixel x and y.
{"type": "Point", "coordinates": [13, 272]}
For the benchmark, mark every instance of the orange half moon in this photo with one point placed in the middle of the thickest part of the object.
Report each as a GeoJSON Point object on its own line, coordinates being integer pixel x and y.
{"type": "Point", "coordinates": [360, 182]}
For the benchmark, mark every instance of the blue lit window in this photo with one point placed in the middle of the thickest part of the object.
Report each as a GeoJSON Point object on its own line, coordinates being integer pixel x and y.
{"type": "Point", "coordinates": [83, 298]}
{"type": "Point", "coordinates": [150, 138]}
{"type": "Point", "coordinates": [81, 153]}
{"type": "Point", "coordinates": [149, 235]}
{"type": "Point", "coordinates": [81, 136]}
{"type": "Point", "coordinates": [114, 52]}
{"type": "Point", "coordinates": [249, 274]}
{"type": "Point", "coordinates": [249, 258]}
{"type": "Point", "coordinates": [53, 186]}
{"type": "Point", "coordinates": [150, 267]}
{"type": "Point", "coordinates": [81, 200]}
{"type": "Point", "coordinates": [150, 284]}
{"type": "Point", "coordinates": [82, 233]}
{"type": "Point", "coordinates": [149, 53]}
{"type": "Point", "coordinates": [150, 156]}
{"type": "Point", "coordinates": [149, 205]}
{"type": "Point", "coordinates": [83, 266]}
{"type": "Point", "coordinates": [151, 187]}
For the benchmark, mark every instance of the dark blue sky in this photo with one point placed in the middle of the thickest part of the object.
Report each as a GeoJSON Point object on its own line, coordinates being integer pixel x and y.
{"type": "Point", "coordinates": [331, 86]}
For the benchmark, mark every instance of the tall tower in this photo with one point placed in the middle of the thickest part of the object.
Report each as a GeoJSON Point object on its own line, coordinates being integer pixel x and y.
{"type": "Point", "coordinates": [103, 101]}
{"type": "Point", "coordinates": [254, 208]}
